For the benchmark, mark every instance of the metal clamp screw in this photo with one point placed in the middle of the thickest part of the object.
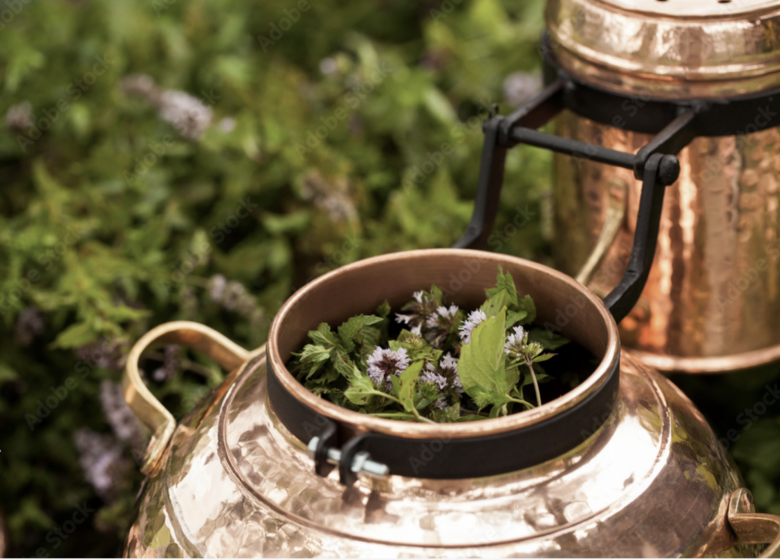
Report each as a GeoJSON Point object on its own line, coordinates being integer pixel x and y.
{"type": "Point", "coordinates": [361, 463]}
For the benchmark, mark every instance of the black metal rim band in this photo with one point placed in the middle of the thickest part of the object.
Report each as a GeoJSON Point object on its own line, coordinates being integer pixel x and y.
{"type": "Point", "coordinates": [727, 116]}
{"type": "Point", "coordinates": [455, 458]}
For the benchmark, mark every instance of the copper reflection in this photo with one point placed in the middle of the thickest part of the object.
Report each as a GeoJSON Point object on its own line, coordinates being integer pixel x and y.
{"type": "Point", "coordinates": [670, 49]}
{"type": "Point", "coordinates": [652, 480]}
{"type": "Point", "coordinates": [711, 302]}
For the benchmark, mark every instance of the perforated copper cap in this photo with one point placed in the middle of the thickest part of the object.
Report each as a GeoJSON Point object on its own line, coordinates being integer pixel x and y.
{"type": "Point", "coordinates": [672, 49]}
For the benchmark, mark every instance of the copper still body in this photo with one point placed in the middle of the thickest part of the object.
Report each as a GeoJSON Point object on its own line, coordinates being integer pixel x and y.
{"type": "Point", "coordinates": [230, 480]}
{"type": "Point", "coordinates": [712, 299]}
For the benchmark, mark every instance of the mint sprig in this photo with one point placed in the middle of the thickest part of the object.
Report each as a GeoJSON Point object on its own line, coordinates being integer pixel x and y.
{"type": "Point", "coordinates": [446, 364]}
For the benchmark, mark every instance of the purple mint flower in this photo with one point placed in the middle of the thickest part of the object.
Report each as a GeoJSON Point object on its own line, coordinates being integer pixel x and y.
{"type": "Point", "coordinates": [449, 367]}
{"type": "Point", "coordinates": [442, 313]}
{"type": "Point", "coordinates": [515, 343]}
{"type": "Point", "coordinates": [430, 376]}
{"type": "Point", "coordinates": [385, 362]}
{"type": "Point", "coordinates": [474, 319]}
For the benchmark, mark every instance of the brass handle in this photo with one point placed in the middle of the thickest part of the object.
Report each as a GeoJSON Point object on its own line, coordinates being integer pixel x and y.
{"type": "Point", "coordinates": [753, 528]}
{"type": "Point", "coordinates": [616, 211]}
{"type": "Point", "coordinates": [145, 406]}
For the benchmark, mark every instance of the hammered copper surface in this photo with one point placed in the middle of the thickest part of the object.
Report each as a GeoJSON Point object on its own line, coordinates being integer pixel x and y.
{"type": "Point", "coordinates": [673, 49]}
{"type": "Point", "coordinates": [711, 302]}
{"type": "Point", "coordinates": [234, 483]}
{"type": "Point", "coordinates": [463, 275]}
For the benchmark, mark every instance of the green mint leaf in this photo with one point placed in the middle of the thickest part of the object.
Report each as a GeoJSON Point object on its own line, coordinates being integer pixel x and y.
{"type": "Point", "coordinates": [470, 418]}
{"type": "Point", "coordinates": [541, 377]}
{"type": "Point", "coordinates": [351, 329]}
{"type": "Point", "coordinates": [407, 385]}
{"type": "Point", "coordinates": [481, 398]}
{"type": "Point", "coordinates": [503, 295]}
{"type": "Point", "coordinates": [416, 348]}
{"type": "Point", "coordinates": [437, 295]}
{"type": "Point", "coordinates": [543, 358]}
{"type": "Point", "coordinates": [527, 304]}
{"type": "Point", "coordinates": [504, 281]}
{"type": "Point", "coordinates": [361, 390]}
{"type": "Point", "coordinates": [449, 414]}
{"type": "Point", "coordinates": [368, 339]}
{"type": "Point", "coordinates": [343, 364]}
{"type": "Point", "coordinates": [313, 357]}
{"type": "Point", "coordinates": [513, 317]}
{"type": "Point", "coordinates": [547, 338]}
{"type": "Point", "coordinates": [394, 415]}
{"type": "Point", "coordinates": [396, 382]}
{"type": "Point", "coordinates": [323, 336]}
{"type": "Point", "coordinates": [482, 364]}
{"type": "Point", "coordinates": [384, 310]}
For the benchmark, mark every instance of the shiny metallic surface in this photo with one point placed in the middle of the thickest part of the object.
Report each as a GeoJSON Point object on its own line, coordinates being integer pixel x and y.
{"type": "Point", "coordinates": [653, 481]}
{"type": "Point", "coordinates": [141, 401]}
{"type": "Point", "coordinates": [711, 302]}
{"type": "Point", "coordinates": [752, 527]}
{"type": "Point", "coordinates": [669, 49]}
{"type": "Point", "coordinates": [361, 463]}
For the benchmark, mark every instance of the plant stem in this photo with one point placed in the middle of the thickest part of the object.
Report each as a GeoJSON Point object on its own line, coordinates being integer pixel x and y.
{"type": "Point", "coordinates": [421, 418]}
{"type": "Point", "coordinates": [536, 385]}
{"type": "Point", "coordinates": [521, 401]}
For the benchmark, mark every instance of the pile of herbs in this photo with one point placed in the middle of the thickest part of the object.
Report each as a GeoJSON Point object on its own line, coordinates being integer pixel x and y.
{"type": "Point", "coordinates": [447, 366]}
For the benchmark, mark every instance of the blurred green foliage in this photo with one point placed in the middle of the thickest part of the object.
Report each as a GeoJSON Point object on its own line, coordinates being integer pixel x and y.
{"type": "Point", "coordinates": [353, 132]}
{"type": "Point", "coordinates": [349, 130]}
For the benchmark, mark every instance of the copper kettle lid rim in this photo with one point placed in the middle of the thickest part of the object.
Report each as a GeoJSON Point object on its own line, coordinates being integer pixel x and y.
{"type": "Point", "coordinates": [414, 262]}
{"type": "Point", "coordinates": [659, 47]}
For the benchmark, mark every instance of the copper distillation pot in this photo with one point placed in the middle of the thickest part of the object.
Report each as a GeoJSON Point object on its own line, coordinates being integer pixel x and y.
{"type": "Point", "coordinates": [622, 465]}
{"type": "Point", "coordinates": [694, 77]}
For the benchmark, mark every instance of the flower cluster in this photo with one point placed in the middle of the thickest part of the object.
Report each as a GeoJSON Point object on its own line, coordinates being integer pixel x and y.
{"type": "Point", "coordinates": [518, 347]}
{"type": "Point", "coordinates": [444, 376]}
{"type": "Point", "coordinates": [435, 369]}
{"type": "Point", "coordinates": [384, 363]}
{"type": "Point", "coordinates": [419, 311]}
{"type": "Point", "coordinates": [428, 318]}
{"type": "Point", "coordinates": [465, 330]}
{"type": "Point", "coordinates": [188, 114]}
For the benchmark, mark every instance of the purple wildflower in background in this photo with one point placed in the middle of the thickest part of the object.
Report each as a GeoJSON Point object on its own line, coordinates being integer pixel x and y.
{"type": "Point", "coordinates": [29, 324]}
{"type": "Point", "coordinates": [170, 364]}
{"type": "Point", "coordinates": [103, 462]}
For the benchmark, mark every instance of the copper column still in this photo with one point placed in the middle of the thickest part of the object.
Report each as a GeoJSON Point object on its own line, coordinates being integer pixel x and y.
{"type": "Point", "coordinates": [712, 299]}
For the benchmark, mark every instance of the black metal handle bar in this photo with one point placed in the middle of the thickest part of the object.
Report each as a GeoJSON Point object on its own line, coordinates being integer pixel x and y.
{"type": "Point", "coordinates": [655, 164]}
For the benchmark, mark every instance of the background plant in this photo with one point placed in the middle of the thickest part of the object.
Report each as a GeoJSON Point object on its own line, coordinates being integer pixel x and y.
{"type": "Point", "coordinates": [161, 160]}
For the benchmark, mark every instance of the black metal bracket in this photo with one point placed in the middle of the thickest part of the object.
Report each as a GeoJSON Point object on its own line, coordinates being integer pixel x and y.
{"type": "Point", "coordinates": [685, 120]}
{"type": "Point", "coordinates": [655, 164]}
